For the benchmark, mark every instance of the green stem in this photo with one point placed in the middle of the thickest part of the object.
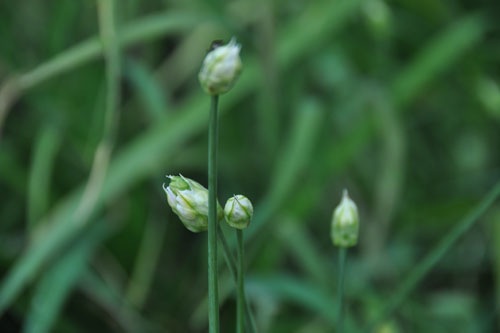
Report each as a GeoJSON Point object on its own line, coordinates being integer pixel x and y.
{"type": "Point", "coordinates": [231, 264]}
{"type": "Point", "coordinates": [240, 305]}
{"type": "Point", "coordinates": [213, 292]}
{"type": "Point", "coordinates": [340, 291]}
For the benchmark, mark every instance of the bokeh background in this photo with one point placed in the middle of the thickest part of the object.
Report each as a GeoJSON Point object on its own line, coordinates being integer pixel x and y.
{"type": "Point", "coordinates": [398, 101]}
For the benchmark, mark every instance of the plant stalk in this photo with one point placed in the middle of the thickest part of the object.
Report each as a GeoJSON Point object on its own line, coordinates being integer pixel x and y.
{"type": "Point", "coordinates": [213, 287]}
{"type": "Point", "coordinates": [340, 291]}
{"type": "Point", "coordinates": [240, 305]}
{"type": "Point", "coordinates": [232, 266]}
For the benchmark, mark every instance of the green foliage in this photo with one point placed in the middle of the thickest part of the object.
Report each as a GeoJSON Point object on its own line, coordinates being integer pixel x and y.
{"type": "Point", "coordinates": [398, 101]}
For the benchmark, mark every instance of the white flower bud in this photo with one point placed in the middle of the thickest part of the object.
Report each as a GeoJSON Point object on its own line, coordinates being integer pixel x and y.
{"type": "Point", "coordinates": [221, 68]}
{"type": "Point", "coordinates": [238, 211]}
{"type": "Point", "coordinates": [189, 201]}
{"type": "Point", "coordinates": [345, 223]}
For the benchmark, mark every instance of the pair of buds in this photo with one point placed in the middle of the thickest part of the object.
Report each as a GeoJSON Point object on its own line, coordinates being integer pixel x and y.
{"type": "Point", "coordinates": [189, 201]}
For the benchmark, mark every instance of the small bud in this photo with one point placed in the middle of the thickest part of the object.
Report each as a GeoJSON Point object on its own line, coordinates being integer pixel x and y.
{"type": "Point", "coordinates": [345, 223]}
{"type": "Point", "coordinates": [221, 68]}
{"type": "Point", "coordinates": [238, 211]}
{"type": "Point", "coordinates": [189, 201]}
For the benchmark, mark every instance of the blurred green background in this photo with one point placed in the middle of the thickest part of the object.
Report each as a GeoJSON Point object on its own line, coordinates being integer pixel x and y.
{"type": "Point", "coordinates": [398, 101]}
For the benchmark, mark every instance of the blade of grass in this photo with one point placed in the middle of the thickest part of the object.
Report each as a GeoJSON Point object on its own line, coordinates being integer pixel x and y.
{"type": "Point", "coordinates": [267, 109]}
{"type": "Point", "coordinates": [45, 149]}
{"type": "Point", "coordinates": [295, 156]}
{"type": "Point", "coordinates": [58, 281]}
{"type": "Point", "coordinates": [74, 221]}
{"type": "Point", "coordinates": [439, 54]}
{"type": "Point", "coordinates": [12, 171]}
{"type": "Point", "coordinates": [301, 246]}
{"type": "Point", "coordinates": [321, 21]}
{"type": "Point", "coordinates": [390, 170]}
{"type": "Point", "coordinates": [424, 267]}
{"type": "Point", "coordinates": [301, 292]}
{"type": "Point", "coordinates": [143, 30]}
{"type": "Point", "coordinates": [112, 302]}
{"type": "Point", "coordinates": [102, 155]}
{"type": "Point", "coordinates": [149, 90]}
{"type": "Point", "coordinates": [146, 263]}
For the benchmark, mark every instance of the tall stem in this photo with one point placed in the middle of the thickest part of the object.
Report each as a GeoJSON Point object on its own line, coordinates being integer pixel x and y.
{"type": "Point", "coordinates": [213, 287]}
{"type": "Point", "coordinates": [240, 306]}
{"type": "Point", "coordinates": [340, 292]}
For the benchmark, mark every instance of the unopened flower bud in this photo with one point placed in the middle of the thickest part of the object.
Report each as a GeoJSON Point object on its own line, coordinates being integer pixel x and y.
{"type": "Point", "coordinates": [221, 68]}
{"type": "Point", "coordinates": [345, 223]}
{"type": "Point", "coordinates": [189, 201]}
{"type": "Point", "coordinates": [238, 211]}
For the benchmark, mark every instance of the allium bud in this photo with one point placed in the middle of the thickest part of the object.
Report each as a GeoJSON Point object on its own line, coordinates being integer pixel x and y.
{"type": "Point", "coordinates": [345, 223]}
{"type": "Point", "coordinates": [189, 201]}
{"type": "Point", "coordinates": [238, 211]}
{"type": "Point", "coordinates": [221, 68]}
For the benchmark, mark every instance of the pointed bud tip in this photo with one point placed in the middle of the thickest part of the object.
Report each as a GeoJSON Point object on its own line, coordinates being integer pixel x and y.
{"type": "Point", "coordinates": [221, 68]}
{"type": "Point", "coordinates": [189, 201]}
{"type": "Point", "coordinates": [345, 222]}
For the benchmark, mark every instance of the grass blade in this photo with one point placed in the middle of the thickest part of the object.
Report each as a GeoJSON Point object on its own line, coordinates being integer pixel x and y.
{"type": "Point", "coordinates": [58, 281]}
{"type": "Point", "coordinates": [435, 255]}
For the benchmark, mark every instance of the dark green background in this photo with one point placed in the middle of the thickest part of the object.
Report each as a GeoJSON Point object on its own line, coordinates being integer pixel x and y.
{"type": "Point", "coordinates": [397, 101]}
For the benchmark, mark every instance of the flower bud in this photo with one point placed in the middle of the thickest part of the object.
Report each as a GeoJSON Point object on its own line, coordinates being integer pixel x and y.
{"type": "Point", "coordinates": [345, 223]}
{"type": "Point", "coordinates": [189, 201]}
{"type": "Point", "coordinates": [221, 68]}
{"type": "Point", "coordinates": [238, 211]}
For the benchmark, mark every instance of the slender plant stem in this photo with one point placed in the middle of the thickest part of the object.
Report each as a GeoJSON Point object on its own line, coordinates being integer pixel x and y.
{"type": "Point", "coordinates": [240, 305]}
{"type": "Point", "coordinates": [340, 291]}
{"type": "Point", "coordinates": [213, 287]}
{"type": "Point", "coordinates": [232, 266]}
